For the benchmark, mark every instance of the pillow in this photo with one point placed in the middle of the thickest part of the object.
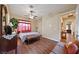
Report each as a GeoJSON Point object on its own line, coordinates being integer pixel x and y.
{"type": "Point", "coordinates": [71, 48]}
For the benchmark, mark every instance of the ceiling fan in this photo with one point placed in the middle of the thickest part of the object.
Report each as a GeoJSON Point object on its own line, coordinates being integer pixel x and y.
{"type": "Point", "coordinates": [31, 14]}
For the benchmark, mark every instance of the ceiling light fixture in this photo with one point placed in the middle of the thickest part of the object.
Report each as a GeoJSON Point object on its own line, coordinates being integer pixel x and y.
{"type": "Point", "coordinates": [31, 14]}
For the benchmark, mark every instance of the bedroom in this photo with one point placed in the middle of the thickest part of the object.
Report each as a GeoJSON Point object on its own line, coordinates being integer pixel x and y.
{"type": "Point", "coordinates": [42, 24]}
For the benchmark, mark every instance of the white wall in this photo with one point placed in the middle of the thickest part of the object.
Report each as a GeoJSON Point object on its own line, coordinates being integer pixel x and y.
{"type": "Point", "coordinates": [77, 21]}
{"type": "Point", "coordinates": [39, 26]}
{"type": "Point", "coordinates": [34, 25]}
{"type": "Point", "coordinates": [51, 27]}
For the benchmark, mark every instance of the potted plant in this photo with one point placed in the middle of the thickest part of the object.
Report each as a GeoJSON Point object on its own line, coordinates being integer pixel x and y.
{"type": "Point", "coordinates": [14, 22]}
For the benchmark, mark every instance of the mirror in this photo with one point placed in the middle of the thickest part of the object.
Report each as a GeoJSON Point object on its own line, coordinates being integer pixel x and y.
{"type": "Point", "coordinates": [4, 16]}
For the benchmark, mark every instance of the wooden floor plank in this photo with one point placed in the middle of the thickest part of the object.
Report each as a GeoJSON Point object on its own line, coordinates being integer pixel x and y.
{"type": "Point", "coordinates": [42, 46]}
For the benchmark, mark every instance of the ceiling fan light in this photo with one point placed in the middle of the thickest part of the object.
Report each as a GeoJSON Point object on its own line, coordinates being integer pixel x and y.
{"type": "Point", "coordinates": [31, 17]}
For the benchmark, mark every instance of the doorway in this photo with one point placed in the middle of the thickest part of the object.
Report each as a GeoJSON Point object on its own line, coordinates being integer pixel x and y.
{"type": "Point", "coordinates": [68, 27]}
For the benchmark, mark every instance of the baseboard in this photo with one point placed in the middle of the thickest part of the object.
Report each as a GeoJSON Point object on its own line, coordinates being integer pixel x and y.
{"type": "Point", "coordinates": [51, 39]}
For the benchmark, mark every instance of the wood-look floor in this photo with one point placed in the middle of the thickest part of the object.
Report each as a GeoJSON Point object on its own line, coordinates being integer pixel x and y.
{"type": "Point", "coordinates": [42, 46]}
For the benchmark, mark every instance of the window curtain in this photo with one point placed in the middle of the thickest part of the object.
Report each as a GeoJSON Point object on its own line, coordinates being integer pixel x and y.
{"type": "Point", "coordinates": [24, 26]}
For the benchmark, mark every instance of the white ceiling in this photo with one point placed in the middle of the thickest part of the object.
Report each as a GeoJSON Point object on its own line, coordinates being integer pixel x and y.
{"type": "Point", "coordinates": [40, 9]}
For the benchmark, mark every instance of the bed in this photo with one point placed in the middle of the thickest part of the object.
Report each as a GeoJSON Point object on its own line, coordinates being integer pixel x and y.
{"type": "Point", "coordinates": [29, 37]}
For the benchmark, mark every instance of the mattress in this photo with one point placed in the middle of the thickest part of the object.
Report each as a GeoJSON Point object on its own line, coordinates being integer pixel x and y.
{"type": "Point", "coordinates": [27, 35]}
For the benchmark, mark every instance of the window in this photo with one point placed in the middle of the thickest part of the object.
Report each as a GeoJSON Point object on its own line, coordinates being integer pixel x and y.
{"type": "Point", "coordinates": [24, 26]}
